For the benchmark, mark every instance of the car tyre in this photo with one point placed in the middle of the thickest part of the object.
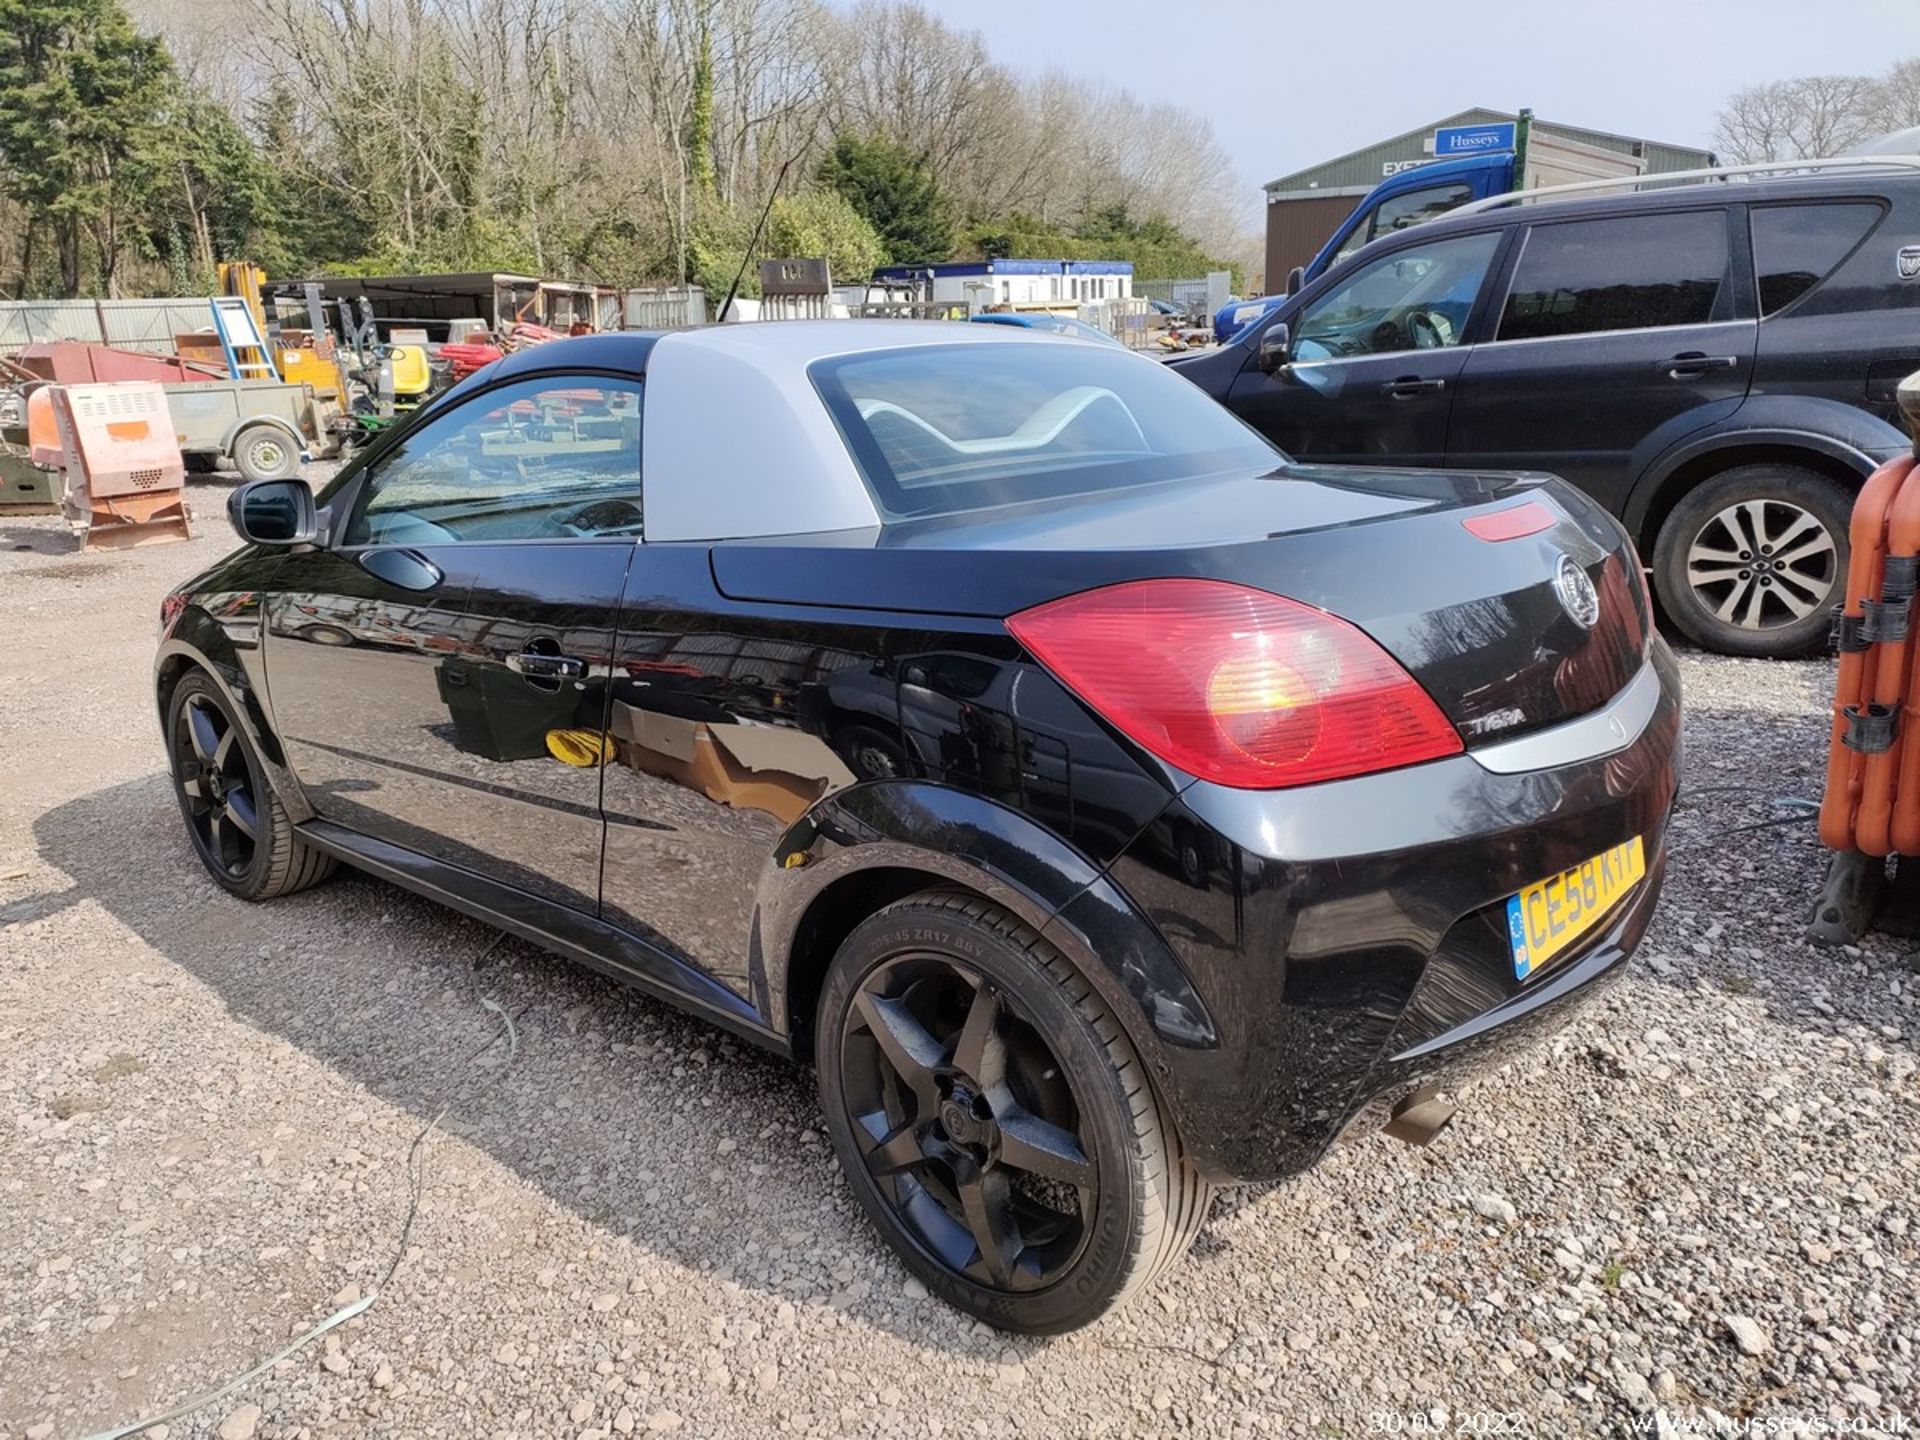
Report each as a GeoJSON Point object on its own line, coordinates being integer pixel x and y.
{"type": "Point", "coordinates": [1020, 1112]}
{"type": "Point", "coordinates": [266, 452]}
{"type": "Point", "coordinates": [1756, 605]}
{"type": "Point", "coordinates": [238, 827]}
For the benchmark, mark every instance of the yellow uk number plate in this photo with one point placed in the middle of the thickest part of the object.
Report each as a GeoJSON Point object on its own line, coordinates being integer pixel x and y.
{"type": "Point", "coordinates": [1547, 918]}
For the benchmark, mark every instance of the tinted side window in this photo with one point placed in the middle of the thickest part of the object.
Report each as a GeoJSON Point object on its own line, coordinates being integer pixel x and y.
{"type": "Point", "coordinates": [1796, 246]}
{"type": "Point", "coordinates": [1627, 274]}
{"type": "Point", "coordinates": [1417, 298]}
{"type": "Point", "coordinates": [556, 458]}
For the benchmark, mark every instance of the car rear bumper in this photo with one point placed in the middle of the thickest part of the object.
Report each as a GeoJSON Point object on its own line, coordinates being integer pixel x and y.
{"type": "Point", "coordinates": [1349, 941]}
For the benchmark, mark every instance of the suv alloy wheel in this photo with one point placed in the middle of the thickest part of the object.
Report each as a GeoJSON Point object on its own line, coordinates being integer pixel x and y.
{"type": "Point", "coordinates": [1752, 561]}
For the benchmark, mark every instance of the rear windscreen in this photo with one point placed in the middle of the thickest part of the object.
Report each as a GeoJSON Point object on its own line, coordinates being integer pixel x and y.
{"type": "Point", "coordinates": [942, 428]}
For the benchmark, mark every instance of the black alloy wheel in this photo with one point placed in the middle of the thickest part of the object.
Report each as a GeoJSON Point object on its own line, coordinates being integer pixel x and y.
{"type": "Point", "coordinates": [967, 1122]}
{"type": "Point", "coordinates": [993, 1119]}
{"type": "Point", "coordinates": [239, 828]}
{"type": "Point", "coordinates": [218, 787]}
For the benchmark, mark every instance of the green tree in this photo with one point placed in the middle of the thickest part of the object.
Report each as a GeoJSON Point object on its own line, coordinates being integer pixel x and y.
{"type": "Point", "coordinates": [700, 113]}
{"type": "Point", "coordinates": [83, 139]}
{"type": "Point", "coordinates": [894, 190]}
{"type": "Point", "coordinates": [717, 246]}
{"type": "Point", "coordinates": [824, 223]}
{"type": "Point", "coordinates": [227, 198]}
{"type": "Point", "coordinates": [307, 215]}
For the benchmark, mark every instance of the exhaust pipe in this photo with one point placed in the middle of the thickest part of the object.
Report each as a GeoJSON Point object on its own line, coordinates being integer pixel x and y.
{"type": "Point", "coordinates": [1419, 1118]}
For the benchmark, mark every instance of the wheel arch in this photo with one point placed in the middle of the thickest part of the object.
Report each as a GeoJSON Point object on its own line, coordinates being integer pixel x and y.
{"type": "Point", "coordinates": [831, 916]}
{"type": "Point", "coordinates": [199, 642]}
{"type": "Point", "coordinates": [1845, 470]}
{"type": "Point", "coordinates": [875, 843]}
{"type": "Point", "coordinates": [1834, 439]}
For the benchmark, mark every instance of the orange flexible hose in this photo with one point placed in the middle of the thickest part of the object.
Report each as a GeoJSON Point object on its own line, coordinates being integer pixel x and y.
{"type": "Point", "coordinates": [1865, 571]}
{"type": "Point", "coordinates": [1905, 835]}
{"type": "Point", "coordinates": [1885, 684]}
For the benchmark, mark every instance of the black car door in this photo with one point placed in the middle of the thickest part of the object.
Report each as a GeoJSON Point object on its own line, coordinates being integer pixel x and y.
{"type": "Point", "coordinates": [725, 727]}
{"type": "Point", "coordinates": [1375, 354]}
{"type": "Point", "coordinates": [1616, 337]}
{"type": "Point", "coordinates": [500, 533]}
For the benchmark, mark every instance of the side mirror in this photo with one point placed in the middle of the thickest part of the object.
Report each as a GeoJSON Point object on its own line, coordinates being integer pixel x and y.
{"type": "Point", "coordinates": [1296, 277]}
{"type": "Point", "coordinates": [274, 512]}
{"type": "Point", "coordinates": [1276, 347]}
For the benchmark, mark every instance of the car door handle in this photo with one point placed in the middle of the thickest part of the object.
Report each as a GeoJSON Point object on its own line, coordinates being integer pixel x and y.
{"type": "Point", "coordinates": [1408, 386]}
{"type": "Point", "coordinates": [536, 666]}
{"type": "Point", "coordinates": [1694, 364]}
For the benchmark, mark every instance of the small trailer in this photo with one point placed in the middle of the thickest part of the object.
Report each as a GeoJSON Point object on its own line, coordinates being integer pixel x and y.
{"type": "Point", "coordinates": [266, 426]}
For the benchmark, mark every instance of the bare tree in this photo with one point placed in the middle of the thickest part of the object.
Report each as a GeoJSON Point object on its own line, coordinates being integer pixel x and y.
{"type": "Point", "coordinates": [1896, 99]}
{"type": "Point", "coordinates": [557, 133]}
{"type": "Point", "coordinates": [1807, 118]}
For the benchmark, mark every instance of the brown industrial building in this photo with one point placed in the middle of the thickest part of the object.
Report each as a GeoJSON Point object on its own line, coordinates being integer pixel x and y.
{"type": "Point", "coordinates": [1305, 208]}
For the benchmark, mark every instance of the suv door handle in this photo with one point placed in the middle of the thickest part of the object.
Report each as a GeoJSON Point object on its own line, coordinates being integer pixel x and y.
{"type": "Point", "coordinates": [1694, 364]}
{"type": "Point", "coordinates": [536, 666]}
{"type": "Point", "coordinates": [1408, 386]}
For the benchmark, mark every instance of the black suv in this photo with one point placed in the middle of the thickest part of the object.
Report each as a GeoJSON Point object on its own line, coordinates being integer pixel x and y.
{"type": "Point", "coordinates": [1714, 361]}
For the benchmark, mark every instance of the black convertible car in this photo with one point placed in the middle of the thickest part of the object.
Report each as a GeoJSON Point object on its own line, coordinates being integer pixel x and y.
{"type": "Point", "coordinates": [1105, 805]}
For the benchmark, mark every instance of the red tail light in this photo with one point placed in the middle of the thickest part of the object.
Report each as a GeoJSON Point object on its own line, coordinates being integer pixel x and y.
{"type": "Point", "coordinates": [1236, 685]}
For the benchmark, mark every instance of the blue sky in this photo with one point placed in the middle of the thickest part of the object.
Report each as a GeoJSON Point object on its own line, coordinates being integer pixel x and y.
{"type": "Point", "coordinates": [1287, 84]}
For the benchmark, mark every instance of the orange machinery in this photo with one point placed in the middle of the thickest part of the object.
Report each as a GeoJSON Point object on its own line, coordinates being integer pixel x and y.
{"type": "Point", "coordinates": [125, 479]}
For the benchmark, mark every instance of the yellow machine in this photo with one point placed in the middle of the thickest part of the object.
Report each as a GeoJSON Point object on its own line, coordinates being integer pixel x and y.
{"type": "Point", "coordinates": [411, 376]}
{"type": "Point", "coordinates": [309, 360]}
{"type": "Point", "coordinates": [243, 279]}
{"type": "Point", "coordinates": [305, 357]}
{"type": "Point", "coordinates": [358, 382]}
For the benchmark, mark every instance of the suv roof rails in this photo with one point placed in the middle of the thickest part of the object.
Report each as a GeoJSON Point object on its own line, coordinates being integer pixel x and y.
{"type": "Point", "coordinates": [1721, 172]}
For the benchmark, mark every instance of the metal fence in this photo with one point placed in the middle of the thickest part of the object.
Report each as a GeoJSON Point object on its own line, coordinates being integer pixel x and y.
{"type": "Point", "coordinates": [1131, 322]}
{"type": "Point", "coordinates": [131, 324]}
{"type": "Point", "coordinates": [893, 309]}
{"type": "Point", "coordinates": [663, 308]}
{"type": "Point", "coordinates": [1199, 295]}
{"type": "Point", "coordinates": [796, 307]}
{"type": "Point", "coordinates": [151, 325]}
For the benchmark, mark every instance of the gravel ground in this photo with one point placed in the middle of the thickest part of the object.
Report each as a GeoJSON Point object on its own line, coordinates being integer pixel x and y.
{"type": "Point", "coordinates": [1698, 1198]}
